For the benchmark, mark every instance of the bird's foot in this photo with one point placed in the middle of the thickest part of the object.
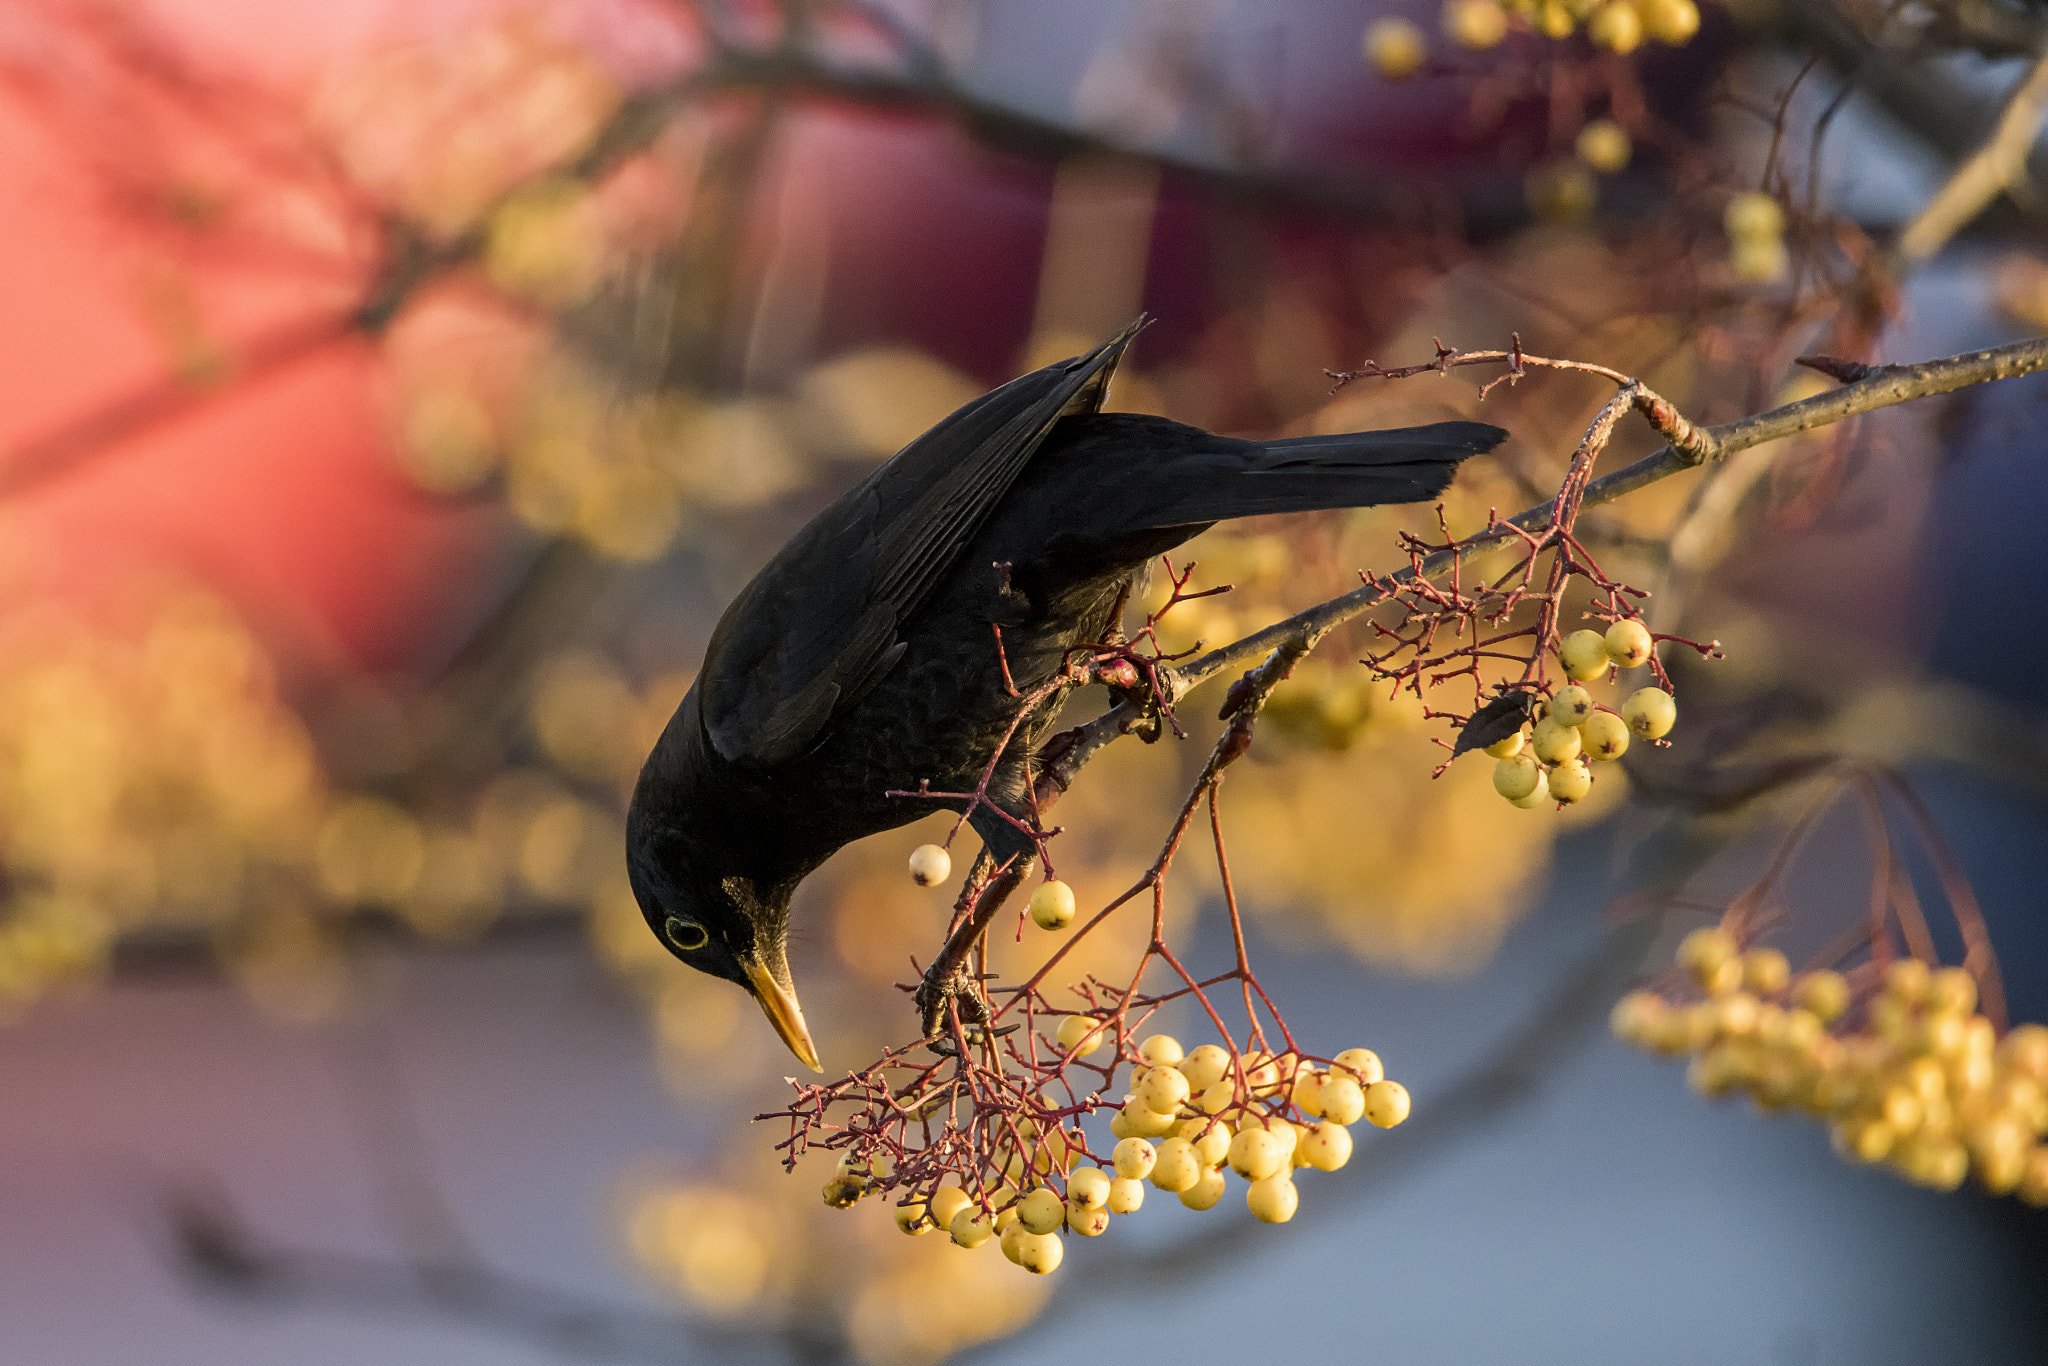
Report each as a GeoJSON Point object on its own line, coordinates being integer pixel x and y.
{"type": "Point", "coordinates": [955, 987]}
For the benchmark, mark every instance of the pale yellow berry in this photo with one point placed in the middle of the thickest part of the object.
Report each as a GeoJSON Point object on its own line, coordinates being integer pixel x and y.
{"type": "Point", "coordinates": [1569, 706]}
{"type": "Point", "coordinates": [1040, 1253]}
{"type": "Point", "coordinates": [930, 865]}
{"type": "Point", "coordinates": [1765, 971]}
{"type": "Point", "coordinates": [1907, 979]}
{"type": "Point", "coordinates": [1343, 1100]}
{"type": "Point", "coordinates": [1081, 1033]}
{"type": "Point", "coordinates": [1386, 1103]}
{"type": "Point", "coordinates": [1512, 745]}
{"type": "Point", "coordinates": [1042, 1211]}
{"type": "Point", "coordinates": [1637, 1016]}
{"type": "Point", "coordinates": [970, 1227]}
{"type": "Point", "coordinates": [1212, 1141]}
{"type": "Point", "coordinates": [844, 1192]}
{"type": "Point", "coordinates": [1162, 1090]}
{"type": "Point", "coordinates": [1603, 145]}
{"type": "Point", "coordinates": [1052, 906]}
{"type": "Point", "coordinates": [1584, 656]}
{"type": "Point", "coordinates": [947, 1201]}
{"type": "Point", "coordinates": [1759, 262]}
{"type": "Point", "coordinates": [1327, 1146]}
{"type": "Point", "coordinates": [1273, 1200]}
{"type": "Point", "coordinates": [1753, 217]}
{"type": "Point", "coordinates": [1952, 991]}
{"type": "Point", "coordinates": [1604, 736]}
{"type": "Point", "coordinates": [1006, 1218]}
{"type": "Point", "coordinates": [1650, 713]}
{"type": "Point", "coordinates": [1205, 1066]}
{"type": "Point", "coordinates": [1671, 22]}
{"type": "Point", "coordinates": [1255, 1154]}
{"type": "Point", "coordinates": [1475, 24]}
{"type": "Point", "coordinates": [1395, 48]}
{"type": "Point", "coordinates": [1119, 1129]}
{"type": "Point", "coordinates": [1516, 776]}
{"type": "Point", "coordinates": [1702, 952]}
{"type": "Point", "coordinates": [1142, 1121]}
{"type": "Point", "coordinates": [1307, 1093]}
{"type": "Point", "coordinates": [1362, 1063]}
{"type": "Point", "coordinates": [1204, 1193]}
{"type": "Point", "coordinates": [1010, 1239]}
{"type": "Point", "coordinates": [914, 1219]}
{"type": "Point", "coordinates": [1219, 1097]}
{"type": "Point", "coordinates": [1553, 20]}
{"type": "Point", "coordinates": [1628, 643]}
{"type": "Point", "coordinates": [1086, 1220]}
{"type": "Point", "coordinates": [1161, 1050]}
{"type": "Point", "coordinates": [1126, 1195]}
{"type": "Point", "coordinates": [1571, 781]}
{"type": "Point", "coordinates": [2024, 1052]}
{"type": "Point", "coordinates": [1175, 1166]}
{"type": "Point", "coordinates": [1088, 1187]}
{"type": "Point", "coordinates": [1133, 1158]}
{"type": "Point", "coordinates": [1616, 27]}
{"type": "Point", "coordinates": [1537, 797]}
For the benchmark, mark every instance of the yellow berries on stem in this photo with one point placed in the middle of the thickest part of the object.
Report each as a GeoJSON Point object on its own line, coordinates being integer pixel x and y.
{"type": "Point", "coordinates": [1052, 906]}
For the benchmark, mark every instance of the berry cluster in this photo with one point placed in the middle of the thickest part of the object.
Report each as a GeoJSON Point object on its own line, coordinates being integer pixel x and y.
{"type": "Point", "coordinates": [1397, 48]}
{"type": "Point", "coordinates": [1898, 1061]}
{"type": "Point", "coordinates": [1549, 759]}
{"type": "Point", "coordinates": [1188, 1118]}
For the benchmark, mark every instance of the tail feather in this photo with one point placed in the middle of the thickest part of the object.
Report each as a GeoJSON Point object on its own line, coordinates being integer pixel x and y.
{"type": "Point", "coordinates": [1353, 469]}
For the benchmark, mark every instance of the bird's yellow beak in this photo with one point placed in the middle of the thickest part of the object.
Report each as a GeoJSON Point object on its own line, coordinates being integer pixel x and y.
{"type": "Point", "coordinates": [778, 1003]}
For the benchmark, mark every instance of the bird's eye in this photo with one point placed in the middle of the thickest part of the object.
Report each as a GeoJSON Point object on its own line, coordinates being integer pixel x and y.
{"type": "Point", "coordinates": [687, 934]}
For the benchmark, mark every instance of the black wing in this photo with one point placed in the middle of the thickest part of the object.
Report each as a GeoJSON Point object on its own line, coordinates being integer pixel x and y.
{"type": "Point", "coordinates": [817, 626]}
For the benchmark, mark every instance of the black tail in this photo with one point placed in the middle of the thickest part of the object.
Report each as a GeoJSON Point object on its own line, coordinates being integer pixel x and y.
{"type": "Point", "coordinates": [1309, 473]}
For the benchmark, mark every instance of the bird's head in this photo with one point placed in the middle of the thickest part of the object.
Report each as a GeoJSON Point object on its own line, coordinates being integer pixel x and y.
{"type": "Point", "coordinates": [724, 926]}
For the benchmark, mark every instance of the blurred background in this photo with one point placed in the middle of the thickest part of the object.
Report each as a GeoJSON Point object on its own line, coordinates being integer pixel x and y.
{"type": "Point", "coordinates": [392, 395]}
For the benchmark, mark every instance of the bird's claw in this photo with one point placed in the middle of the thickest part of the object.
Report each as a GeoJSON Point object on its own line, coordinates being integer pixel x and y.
{"type": "Point", "coordinates": [957, 987]}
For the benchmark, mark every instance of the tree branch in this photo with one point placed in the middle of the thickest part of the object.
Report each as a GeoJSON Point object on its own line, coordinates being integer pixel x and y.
{"type": "Point", "coordinates": [1993, 169]}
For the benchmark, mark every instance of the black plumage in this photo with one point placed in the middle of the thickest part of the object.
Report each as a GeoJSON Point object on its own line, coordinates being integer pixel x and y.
{"type": "Point", "coordinates": [861, 661]}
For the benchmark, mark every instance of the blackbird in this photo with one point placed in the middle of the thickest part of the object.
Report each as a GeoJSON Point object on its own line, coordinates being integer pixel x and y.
{"type": "Point", "coordinates": [862, 660]}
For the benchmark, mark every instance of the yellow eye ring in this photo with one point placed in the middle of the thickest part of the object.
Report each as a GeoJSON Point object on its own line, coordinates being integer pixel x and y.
{"type": "Point", "coordinates": [687, 935]}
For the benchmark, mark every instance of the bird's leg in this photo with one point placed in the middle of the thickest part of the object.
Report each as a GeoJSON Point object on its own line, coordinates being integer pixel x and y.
{"type": "Point", "coordinates": [950, 977]}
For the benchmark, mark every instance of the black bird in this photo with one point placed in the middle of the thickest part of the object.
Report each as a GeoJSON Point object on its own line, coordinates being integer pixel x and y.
{"type": "Point", "coordinates": [861, 659]}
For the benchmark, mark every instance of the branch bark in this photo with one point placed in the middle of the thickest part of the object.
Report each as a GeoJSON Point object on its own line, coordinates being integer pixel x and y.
{"type": "Point", "coordinates": [1993, 169]}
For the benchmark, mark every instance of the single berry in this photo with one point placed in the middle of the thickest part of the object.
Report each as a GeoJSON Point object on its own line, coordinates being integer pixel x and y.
{"type": "Point", "coordinates": [1362, 1063]}
{"type": "Point", "coordinates": [1176, 1168]}
{"type": "Point", "coordinates": [1042, 1211]}
{"type": "Point", "coordinates": [1327, 1146]}
{"type": "Point", "coordinates": [1395, 48]}
{"type": "Point", "coordinates": [1584, 656]}
{"type": "Point", "coordinates": [1671, 22]}
{"type": "Point", "coordinates": [1086, 1221]}
{"type": "Point", "coordinates": [947, 1201]}
{"type": "Point", "coordinates": [1702, 952]}
{"type": "Point", "coordinates": [1088, 1187]}
{"type": "Point", "coordinates": [1538, 796]}
{"type": "Point", "coordinates": [1571, 781]}
{"type": "Point", "coordinates": [1516, 776]}
{"type": "Point", "coordinates": [1554, 742]}
{"type": "Point", "coordinates": [1134, 1158]}
{"type": "Point", "coordinates": [844, 1192]}
{"type": "Point", "coordinates": [970, 1227]}
{"type": "Point", "coordinates": [1475, 24]}
{"type": "Point", "coordinates": [1081, 1033]}
{"type": "Point", "coordinates": [1273, 1200]}
{"type": "Point", "coordinates": [1162, 1090]}
{"type": "Point", "coordinates": [1211, 1141]}
{"type": "Point", "coordinates": [1636, 1017]}
{"type": "Point", "coordinates": [1570, 705]}
{"type": "Point", "coordinates": [1344, 1100]}
{"type": "Point", "coordinates": [1765, 971]}
{"type": "Point", "coordinates": [1307, 1092]}
{"type": "Point", "coordinates": [930, 865]}
{"type": "Point", "coordinates": [1204, 1067]}
{"type": "Point", "coordinates": [1255, 1154]}
{"type": "Point", "coordinates": [1603, 145]}
{"type": "Point", "coordinates": [1141, 1121]}
{"type": "Point", "coordinates": [1628, 643]}
{"type": "Point", "coordinates": [1616, 27]}
{"type": "Point", "coordinates": [1753, 217]}
{"type": "Point", "coordinates": [1386, 1103]}
{"type": "Point", "coordinates": [1952, 991]}
{"type": "Point", "coordinates": [914, 1219]}
{"type": "Point", "coordinates": [1512, 745]}
{"type": "Point", "coordinates": [1052, 906]}
{"type": "Point", "coordinates": [1040, 1253]}
{"type": "Point", "coordinates": [1126, 1195]}
{"type": "Point", "coordinates": [1650, 713]}
{"type": "Point", "coordinates": [1204, 1193]}
{"type": "Point", "coordinates": [1907, 980]}
{"type": "Point", "coordinates": [1554, 19]}
{"type": "Point", "coordinates": [1604, 736]}
{"type": "Point", "coordinates": [1161, 1050]}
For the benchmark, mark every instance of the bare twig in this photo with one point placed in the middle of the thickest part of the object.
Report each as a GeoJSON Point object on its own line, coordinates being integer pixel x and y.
{"type": "Point", "coordinates": [1994, 168]}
